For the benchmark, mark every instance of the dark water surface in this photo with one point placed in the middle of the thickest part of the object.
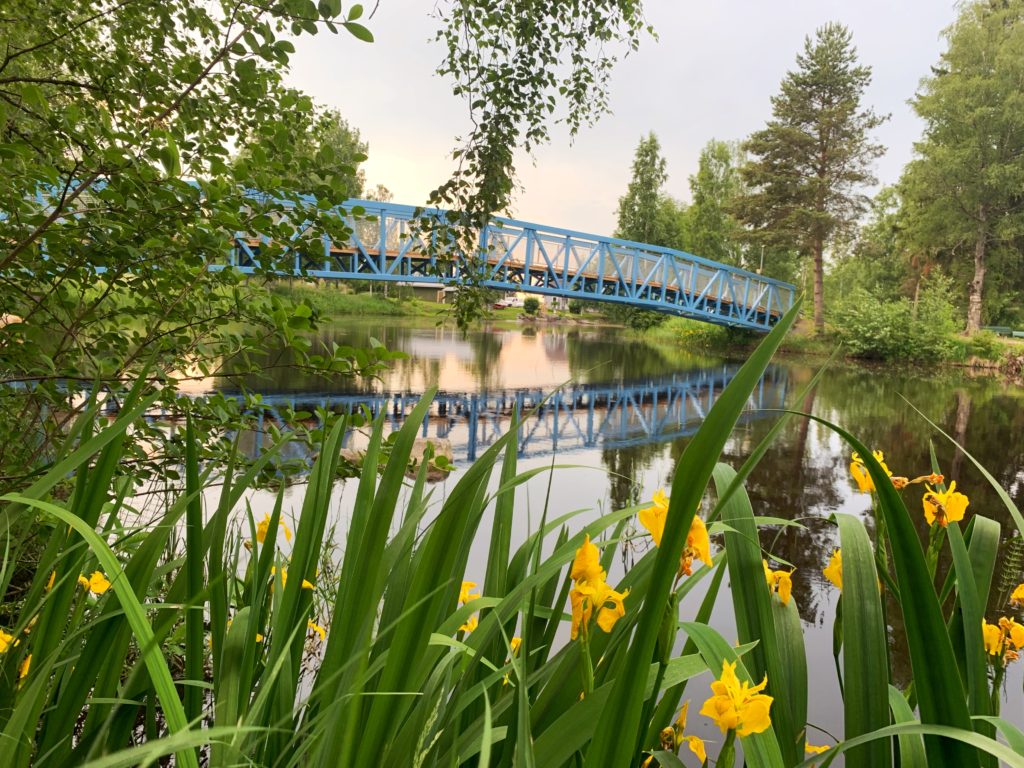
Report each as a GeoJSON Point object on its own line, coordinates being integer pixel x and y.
{"type": "Point", "coordinates": [626, 412]}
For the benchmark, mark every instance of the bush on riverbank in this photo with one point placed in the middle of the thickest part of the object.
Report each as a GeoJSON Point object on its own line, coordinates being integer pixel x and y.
{"type": "Point", "coordinates": [236, 650]}
{"type": "Point", "coordinates": [878, 329]}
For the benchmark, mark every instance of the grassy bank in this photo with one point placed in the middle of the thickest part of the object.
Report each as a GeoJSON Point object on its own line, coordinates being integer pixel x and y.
{"type": "Point", "coordinates": [983, 350]}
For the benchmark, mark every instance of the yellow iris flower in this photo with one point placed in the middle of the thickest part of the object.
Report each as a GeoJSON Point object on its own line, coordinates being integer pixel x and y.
{"type": "Point", "coordinates": [591, 592]}
{"type": "Point", "coordinates": [471, 623]}
{"type": "Point", "coordinates": [6, 641]}
{"type": "Point", "coordinates": [97, 583]}
{"type": "Point", "coordinates": [834, 570]}
{"type": "Point", "coordinates": [515, 644]}
{"type": "Point", "coordinates": [946, 507]}
{"type": "Point", "coordinates": [779, 581]}
{"type": "Point", "coordinates": [465, 593]}
{"type": "Point", "coordinates": [810, 749]}
{"type": "Point", "coordinates": [737, 706]}
{"type": "Point", "coordinates": [585, 597]}
{"type": "Point", "coordinates": [1017, 597]}
{"type": "Point", "coordinates": [698, 543]}
{"type": "Point", "coordinates": [263, 528]}
{"type": "Point", "coordinates": [306, 583]}
{"type": "Point", "coordinates": [1003, 640]}
{"type": "Point", "coordinates": [653, 517]}
{"type": "Point", "coordinates": [586, 566]}
{"type": "Point", "coordinates": [860, 473]}
{"type": "Point", "coordinates": [321, 632]}
{"type": "Point", "coordinates": [23, 669]}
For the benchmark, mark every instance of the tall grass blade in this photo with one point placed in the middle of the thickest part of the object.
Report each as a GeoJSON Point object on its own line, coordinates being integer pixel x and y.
{"type": "Point", "coordinates": [752, 603]}
{"type": "Point", "coordinates": [866, 650]}
{"type": "Point", "coordinates": [911, 747]}
{"type": "Point", "coordinates": [692, 473]}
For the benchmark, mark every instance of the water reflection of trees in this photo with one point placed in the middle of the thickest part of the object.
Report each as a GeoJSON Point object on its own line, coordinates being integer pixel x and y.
{"type": "Point", "coordinates": [625, 467]}
{"type": "Point", "coordinates": [605, 357]}
{"type": "Point", "coordinates": [484, 367]}
{"type": "Point", "coordinates": [273, 370]}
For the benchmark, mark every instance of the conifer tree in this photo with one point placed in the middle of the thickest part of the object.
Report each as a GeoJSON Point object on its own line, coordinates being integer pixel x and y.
{"type": "Point", "coordinates": [807, 165]}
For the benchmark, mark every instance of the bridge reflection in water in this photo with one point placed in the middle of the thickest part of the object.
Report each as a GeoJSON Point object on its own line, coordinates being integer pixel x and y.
{"type": "Point", "coordinates": [574, 417]}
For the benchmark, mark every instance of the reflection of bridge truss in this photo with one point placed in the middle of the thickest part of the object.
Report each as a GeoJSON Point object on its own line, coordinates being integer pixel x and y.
{"type": "Point", "coordinates": [578, 417]}
{"type": "Point", "coordinates": [545, 260]}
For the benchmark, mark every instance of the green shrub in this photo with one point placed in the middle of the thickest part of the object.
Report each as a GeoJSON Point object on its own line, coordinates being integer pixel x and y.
{"type": "Point", "coordinates": [986, 345]}
{"type": "Point", "coordinates": [531, 305]}
{"type": "Point", "coordinates": [894, 330]}
{"type": "Point", "coordinates": [575, 307]}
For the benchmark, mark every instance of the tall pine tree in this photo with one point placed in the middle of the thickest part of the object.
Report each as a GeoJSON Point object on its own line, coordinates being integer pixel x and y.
{"type": "Point", "coordinates": [807, 165]}
{"type": "Point", "coordinates": [964, 189]}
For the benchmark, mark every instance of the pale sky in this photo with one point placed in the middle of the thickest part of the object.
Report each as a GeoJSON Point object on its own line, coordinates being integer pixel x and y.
{"type": "Point", "coordinates": [710, 74]}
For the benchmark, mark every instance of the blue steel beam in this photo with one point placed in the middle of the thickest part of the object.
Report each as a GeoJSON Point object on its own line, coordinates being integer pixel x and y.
{"type": "Point", "coordinates": [515, 255]}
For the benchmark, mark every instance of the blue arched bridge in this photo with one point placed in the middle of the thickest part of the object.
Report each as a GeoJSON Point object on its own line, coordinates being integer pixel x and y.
{"type": "Point", "coordinates": [386, 244]}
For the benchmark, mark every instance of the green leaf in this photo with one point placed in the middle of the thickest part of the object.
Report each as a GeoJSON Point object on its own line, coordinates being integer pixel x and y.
{"type": "Point", "coordinates": [358, 31]}
{"type": "Point", "coordinates": [865, 652]}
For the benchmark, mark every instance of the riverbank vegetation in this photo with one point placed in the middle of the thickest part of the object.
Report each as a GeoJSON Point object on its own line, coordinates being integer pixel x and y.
{"type": "Point", "coordinates": [244, 647]}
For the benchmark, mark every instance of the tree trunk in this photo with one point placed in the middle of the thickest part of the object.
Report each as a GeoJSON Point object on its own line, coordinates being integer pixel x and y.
{"type": "Point", "coordinates": [978, 283]}
{"type": "Point", "coordinates": [819, 285]}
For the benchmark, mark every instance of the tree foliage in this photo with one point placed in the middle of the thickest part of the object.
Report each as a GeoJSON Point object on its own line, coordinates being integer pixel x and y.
{"type": "Point", "coordinates": [647, 215]}
{"type": "Point", "coordinates": [807, 165]}
{"type": "Point", "coordinates": [515, 62]}
{"type": "Point", "coordinates": [132, 136]}
{"type": "Point", "coordinates": [640, 208]}
{"type": "Point", "coordinates": [712, 230]}
{"type": "Point", "coordinates": [963, 190]}
{"type": "Point", "coordinates": [328, 149]}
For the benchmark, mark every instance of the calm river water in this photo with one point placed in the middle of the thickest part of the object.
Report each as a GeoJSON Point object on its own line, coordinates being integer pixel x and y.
{"type": "Point", "coordinates": [625, 413]}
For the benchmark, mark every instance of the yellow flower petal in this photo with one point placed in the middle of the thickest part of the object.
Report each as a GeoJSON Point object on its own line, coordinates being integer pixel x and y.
{"type": "Point", "coordinates": [6, 641]}
{"type": "Point", "coordinates": [810, 749]}
{"type": "Point", "coordinates": [587, 564]}
{"type": "Point", "coordinates": [834, 570]}
{"type": "Point", "coordinates": [465, 592]}
{"type": "Point", "coordinates": [1017, 597]}
{"type": "Point", "coordinates": [318, 629]}
{"type": "Point", "coordinates": [992, 638]}
{"type": "Point", "coordinates": [696, 745]}
{"type": "Point", "coordinates": [23, 669]}
{"type": "Point", "coordinates": [653, 518]}
{"type": "Point", "coordinates": [470, 625]}
{"type": "Point", "coordinates": [864, 482]}
{"type": "Point", "coordinates": [98, 583]}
